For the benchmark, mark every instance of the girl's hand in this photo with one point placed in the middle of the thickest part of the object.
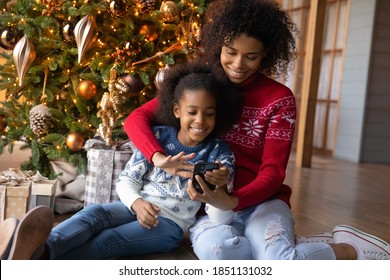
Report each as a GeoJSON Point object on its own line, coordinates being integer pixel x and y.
{"type": "Point", "coordinates": [177, 165]}
{"type": "Point", "coordinates": [147, 213]}
{"type": "Point", "coordinates": [219, 198]}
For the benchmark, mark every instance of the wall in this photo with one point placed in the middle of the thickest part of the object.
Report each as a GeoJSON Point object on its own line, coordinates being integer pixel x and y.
{"type": "Point", "coordinates": [376, 138]}
{"type": "Point", "coordinates": [355, 82]}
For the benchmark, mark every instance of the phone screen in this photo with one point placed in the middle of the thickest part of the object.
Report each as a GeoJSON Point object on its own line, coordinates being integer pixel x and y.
{"type": "Point", "coordinates": [200, 169]}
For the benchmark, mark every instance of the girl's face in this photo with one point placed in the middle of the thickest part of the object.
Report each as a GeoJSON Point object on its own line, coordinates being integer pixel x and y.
{"type": "Point", "coordinates": [242, 58]}
{"type": "Point", "coordinates": [196, 110]}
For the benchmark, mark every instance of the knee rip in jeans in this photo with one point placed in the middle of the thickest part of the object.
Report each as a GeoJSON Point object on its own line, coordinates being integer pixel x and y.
{"type": "Point", "coordinates": [274, 231]}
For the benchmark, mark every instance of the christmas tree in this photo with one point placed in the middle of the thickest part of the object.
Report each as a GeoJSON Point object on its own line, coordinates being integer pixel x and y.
{"type": "Point", "coordinates": [76, 68]}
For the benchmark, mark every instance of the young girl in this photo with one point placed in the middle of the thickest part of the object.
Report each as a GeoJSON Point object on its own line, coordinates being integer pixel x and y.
{"type": "Point", "coordinates": [155, 209]}
{"type": "Point", "coordinates": [247, 42]}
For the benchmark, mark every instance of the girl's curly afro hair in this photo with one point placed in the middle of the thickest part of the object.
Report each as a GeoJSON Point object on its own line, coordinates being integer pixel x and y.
{"type": "Point", "coordinates": [260, 19]}
{"type": "Point", "coordinates": [196, 75]}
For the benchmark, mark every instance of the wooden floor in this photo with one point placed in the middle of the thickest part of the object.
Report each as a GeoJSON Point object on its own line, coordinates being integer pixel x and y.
{"type": "Point", "coordinates": [334, 192]}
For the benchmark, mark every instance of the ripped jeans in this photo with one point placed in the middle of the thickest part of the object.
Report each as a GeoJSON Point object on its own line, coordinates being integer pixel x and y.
{"type": "Point", "coordinates": [264, 231]}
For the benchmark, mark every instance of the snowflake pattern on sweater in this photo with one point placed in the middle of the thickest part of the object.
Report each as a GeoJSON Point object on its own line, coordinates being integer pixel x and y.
{"type": "Point", "coordinates": [152, 184]}
{"type": "Point", "coordinates": [258, 124]}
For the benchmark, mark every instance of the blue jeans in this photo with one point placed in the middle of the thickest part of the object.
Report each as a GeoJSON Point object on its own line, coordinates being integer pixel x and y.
{"type": "Point", "coordinates": [109, 231]}
{"type": "Point", "coordinates": [265, 231]}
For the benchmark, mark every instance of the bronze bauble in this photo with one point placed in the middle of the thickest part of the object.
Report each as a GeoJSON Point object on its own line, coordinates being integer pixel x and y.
{"type": "Point", "coordinates": [75, 141]}
{"type": "Point", "coordinates": [87, 89]}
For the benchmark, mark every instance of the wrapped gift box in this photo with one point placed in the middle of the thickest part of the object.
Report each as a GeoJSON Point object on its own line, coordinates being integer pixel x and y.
{"type": "Point", "coordinates": [15, 200]}
{"type": "Point", "coordinates": [42, 193]}
{"type": "Point", "coordinates": [104, 167]}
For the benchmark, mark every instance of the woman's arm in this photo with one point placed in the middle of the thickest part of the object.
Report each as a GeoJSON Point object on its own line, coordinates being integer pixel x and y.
{"type": "Point", "coordinates": [138, 127]}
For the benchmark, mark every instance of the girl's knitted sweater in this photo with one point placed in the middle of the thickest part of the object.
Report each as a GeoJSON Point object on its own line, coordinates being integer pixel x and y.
{"type": "Point", "coordinates": [140, 179]}
{"type": "Point", "coordinates": [261, 140]}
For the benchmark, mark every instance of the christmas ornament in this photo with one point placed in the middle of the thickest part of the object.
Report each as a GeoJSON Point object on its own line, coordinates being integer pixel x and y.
{"type": "Point", "coordinates": [67, 31]}
{"type": "Point", "coordinates": [150, 31]}
{"type": "Point", "coordinates": [131, 85]}
{"type": "Point", "coordinates": [110, 107]}
{"type": "Point", "coordinates": [160, 76]}
{"type": "Point", "coordinates": [74, 141]}
{"type": "Point", "coordinates": [24, 55]}
{"type": "Point", "coordinates": [9, 35]}
{"type": "Point", "coordinates": [85, 33]}
{"type": "Point", "coordinates": [170, 11]}
{"type": "Point", "coordinates": [146, 6]}
{"type": "Point", "coordinates": [3, 124]}
{"type": "Point", "coordinates": [63, 94]}
{"type": "Point", "coordinates": [117, 7]}
{"type": "Point", "coordinates": [40, 117]}
{"type": "Point", "coordinates": [132, 47]}
{"type": "Point", "coordinates": [87, 89]}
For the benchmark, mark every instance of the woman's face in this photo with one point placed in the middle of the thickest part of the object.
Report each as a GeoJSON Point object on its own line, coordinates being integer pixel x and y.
{"type": "Point", "coordinates": [242, 58]}
{"type": "Point", "coordinates": [196, 110]}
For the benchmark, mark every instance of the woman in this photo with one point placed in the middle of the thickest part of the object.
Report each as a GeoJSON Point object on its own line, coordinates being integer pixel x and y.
{"type": "Point", "coordinates": [248, 42]}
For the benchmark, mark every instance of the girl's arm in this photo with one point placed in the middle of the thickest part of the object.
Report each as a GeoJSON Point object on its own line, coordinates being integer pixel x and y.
{"type": "Point", "coordinates": [128, 187]}
{"type": "Point", "coordinates": [130, 181]}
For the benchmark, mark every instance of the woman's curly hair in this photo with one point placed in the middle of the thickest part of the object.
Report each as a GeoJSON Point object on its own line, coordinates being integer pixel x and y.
{"type": "Point", "coordinates": [195, 75]}
{"type": "Point", "coordinates": [260, 19]}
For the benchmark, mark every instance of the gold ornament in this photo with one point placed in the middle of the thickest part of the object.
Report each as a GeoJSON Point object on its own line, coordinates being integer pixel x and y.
{"type": "Point", "coordinates": [24, 54]}
{"type": "Point", "coordinates": [75, 141]}
{"type": "Point", "coordinates": [87, 89]}
{"type": "Point", "coordinates": [110, 107]}
{"type": "Point", "coordinates": [85, 33]}
{"type": "Point", "coordinates": [149, 30]}
{"type": "Point", "coordinates": [170, 10]}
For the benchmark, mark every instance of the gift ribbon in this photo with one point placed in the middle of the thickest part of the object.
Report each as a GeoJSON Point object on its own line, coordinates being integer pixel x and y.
{"type": "Point", "coordinates": [99, 143]}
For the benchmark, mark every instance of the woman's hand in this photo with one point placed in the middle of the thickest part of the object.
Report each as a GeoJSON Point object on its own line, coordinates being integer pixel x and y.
{"type": "Point", "coordinates": [177, 165]}
{"type": "Point", "coordinates": [147, 213]}
{"type": "Point", "coordinates": [218, 177]}
{"type": "Point", "coordinates": [219, 198]}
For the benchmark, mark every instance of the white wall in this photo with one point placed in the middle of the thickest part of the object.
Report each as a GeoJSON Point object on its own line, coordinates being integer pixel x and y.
{"type": "Point", "coordinates": [355, 80]}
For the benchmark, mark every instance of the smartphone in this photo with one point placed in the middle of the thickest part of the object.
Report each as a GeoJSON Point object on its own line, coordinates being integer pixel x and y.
{"type": "Point", "coordinates": [200, 169]}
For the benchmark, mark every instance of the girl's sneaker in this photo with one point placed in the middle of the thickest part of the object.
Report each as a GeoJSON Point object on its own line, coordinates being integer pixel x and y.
{"type": "Point", "coordinates": [368, 247]}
